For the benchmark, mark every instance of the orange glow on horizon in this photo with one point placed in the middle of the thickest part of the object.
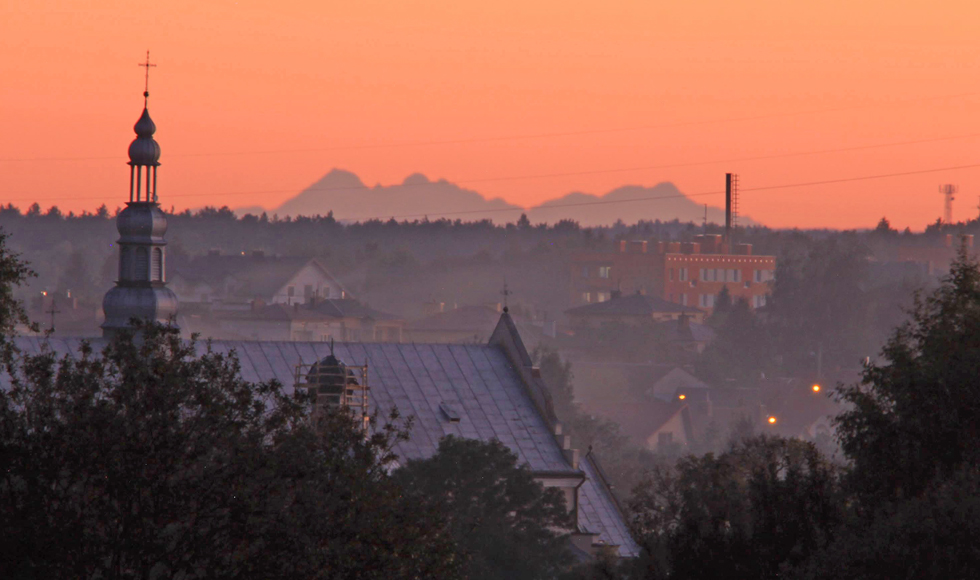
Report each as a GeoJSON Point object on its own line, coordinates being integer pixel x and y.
{"type": "Point", "coordinates": [255, 100]}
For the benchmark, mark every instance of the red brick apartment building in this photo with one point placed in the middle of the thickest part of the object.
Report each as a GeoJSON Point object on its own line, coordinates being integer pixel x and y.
{"type": "Point", "coordinates": [689, 273]}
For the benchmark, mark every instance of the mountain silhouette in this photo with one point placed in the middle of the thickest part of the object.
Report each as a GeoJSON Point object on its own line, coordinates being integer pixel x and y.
{"type": "Point", "coordinates": [416, 197]}
{"type": "Point", "coordinates": [629, 203]}
{"type": "Point", "coordinates": [343, 193]}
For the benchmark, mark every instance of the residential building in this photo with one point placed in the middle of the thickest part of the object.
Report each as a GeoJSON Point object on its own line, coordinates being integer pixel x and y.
{"type": "Point", "coordinates": [244, 278]}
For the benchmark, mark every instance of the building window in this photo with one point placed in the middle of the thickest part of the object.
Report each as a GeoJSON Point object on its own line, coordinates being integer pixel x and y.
{"type": "Point", "coordinates": [157, 265]}
{"type": "Point", "coordinates": [763, 275]}
{"type": "Point", "coordinates": [307, 291]}
{"type": "Point", "coordinates": [586, 297]}
{"type": "Point", "coordinates": [604, 271]}
{"type": "Point", "coordinates": [734, 276]}
{"type": "Point", "coordinates": [758, 301]}
{"type": "Point", "coordinates": [684, 299]}
{"type": "Point", "coordinates": [682, 274]}
{"type": "Point", "coordinates": [142, 264]}
{"type": "Point", "coordinates": [291, 291]}
{"type": "Point", "coordinates": [585, 271]}
{"type": "Point", "coordinates": [670, 298]}
{"type": "Point", "coordinates": [707, 301]}
{"type": "Point", "coordinates": [602, 296]}
{"type": "Point", "coordinates": [670, 274]}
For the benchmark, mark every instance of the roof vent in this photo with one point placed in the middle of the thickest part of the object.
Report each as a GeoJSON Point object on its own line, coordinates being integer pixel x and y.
{"type": "Point", "coordinates": [450, 411]}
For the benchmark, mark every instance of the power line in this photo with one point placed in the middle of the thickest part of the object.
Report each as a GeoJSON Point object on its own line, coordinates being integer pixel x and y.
{"type": "Point", "coordinates": [660, 197]}
{"type": "Point", "coordinates": [657, 197]}
{"type": "Point", "coordinates": [510, 137]}
{"type": "Point", "coordinates": [550, 175]}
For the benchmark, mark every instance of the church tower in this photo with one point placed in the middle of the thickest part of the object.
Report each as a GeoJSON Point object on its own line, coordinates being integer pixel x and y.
{"type": "Point", "coordinates": [141, 290]}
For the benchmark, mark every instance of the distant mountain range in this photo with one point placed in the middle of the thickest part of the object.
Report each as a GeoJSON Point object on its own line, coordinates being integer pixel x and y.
{"type": "Point", "coordinates": [343, 193]}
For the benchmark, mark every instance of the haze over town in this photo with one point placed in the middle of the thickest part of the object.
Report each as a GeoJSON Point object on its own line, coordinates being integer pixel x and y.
{"type": "Point", "coordinates": [528, 290]}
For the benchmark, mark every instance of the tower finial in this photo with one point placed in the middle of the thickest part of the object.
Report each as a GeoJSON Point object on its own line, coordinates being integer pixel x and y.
{"type": "Point", "coordinates": [146, 85]}
{"type": "Point", "coordinates": [505, 293]}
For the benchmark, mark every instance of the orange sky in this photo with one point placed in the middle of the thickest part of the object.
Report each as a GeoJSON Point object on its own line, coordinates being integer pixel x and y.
{"type": "Point", "coordinates": [256, 100]}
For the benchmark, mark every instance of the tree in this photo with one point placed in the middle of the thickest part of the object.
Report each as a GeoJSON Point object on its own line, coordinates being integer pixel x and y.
{"type": "Point", "coordinates": [913, 417]}
{"type": "Point", "coordinates": [502, 520]}
{"type": "Point", "coordinates": [757, 511]}
{"type": "Point", "coordinates": [13, 272]}
{"type": "Point", "coordinates": [147, 461]}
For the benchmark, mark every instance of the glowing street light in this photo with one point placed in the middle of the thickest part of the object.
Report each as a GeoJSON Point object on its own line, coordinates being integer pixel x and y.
{"type": "Point", "coordinates": [815, 388]}
{"type": "Point", "coordinates": [772, 420]}
{"type": "Point", "coordinates": [682, 397]}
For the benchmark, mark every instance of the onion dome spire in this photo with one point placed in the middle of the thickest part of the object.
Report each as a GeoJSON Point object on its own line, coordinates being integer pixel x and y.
{"type": "Point", "coordinates": [144, 151]}
{"type": "Point", "coordinates": [141, 289]}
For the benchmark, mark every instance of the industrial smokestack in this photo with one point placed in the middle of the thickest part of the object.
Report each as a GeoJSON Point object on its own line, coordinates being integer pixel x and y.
{"type": "Point", "coordinates": [728, 207]}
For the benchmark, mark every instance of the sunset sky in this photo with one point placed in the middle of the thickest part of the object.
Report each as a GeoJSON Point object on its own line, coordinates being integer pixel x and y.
{"type": "Point", "coordinates": [521, 99]}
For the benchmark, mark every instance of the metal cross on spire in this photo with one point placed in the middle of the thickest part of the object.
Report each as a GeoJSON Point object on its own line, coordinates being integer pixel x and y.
{"type": "Point", "coordinates": [505, 293]}
{"type": "Point", "coordinates": [146, 86]}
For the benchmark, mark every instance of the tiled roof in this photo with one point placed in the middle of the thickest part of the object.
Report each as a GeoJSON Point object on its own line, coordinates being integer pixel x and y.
{"type": "Point", "coordinates": [633, 305]}
{"type": "Point", "coordinates": [478, 381]}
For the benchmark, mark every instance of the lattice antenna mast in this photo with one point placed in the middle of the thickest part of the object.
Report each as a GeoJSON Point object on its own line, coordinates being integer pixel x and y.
{"type": "Point", "coordinates": [948, 190]}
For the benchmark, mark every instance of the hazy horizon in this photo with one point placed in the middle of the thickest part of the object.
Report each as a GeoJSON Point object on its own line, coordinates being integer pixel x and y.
{"type": "Point", "coordinates": [520, 101]}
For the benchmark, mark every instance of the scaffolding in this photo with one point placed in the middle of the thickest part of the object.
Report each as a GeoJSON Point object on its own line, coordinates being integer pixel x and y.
{"type": "Point", "coordinates": [335, 385]}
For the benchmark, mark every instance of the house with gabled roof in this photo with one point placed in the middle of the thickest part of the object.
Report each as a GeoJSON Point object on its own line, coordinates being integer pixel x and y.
{"type": "Point", "coordinates": [245, 278]}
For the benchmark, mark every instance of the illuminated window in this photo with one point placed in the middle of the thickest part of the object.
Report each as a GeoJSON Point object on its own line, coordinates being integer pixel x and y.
{"type": "Point", "coordinates": [586, 297]}
{"type": "Point", "coordinates": [602, 296]}
{"type": "Point", "coordinates": [604, 271]}
{"type": "Point", "coordinates": [682, 274]}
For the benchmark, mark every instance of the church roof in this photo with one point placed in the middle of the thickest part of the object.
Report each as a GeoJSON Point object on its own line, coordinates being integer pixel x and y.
{"type": "Point", "coordinates": [478, 381]}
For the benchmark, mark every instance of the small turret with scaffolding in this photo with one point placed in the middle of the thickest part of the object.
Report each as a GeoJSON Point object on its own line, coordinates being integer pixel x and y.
{"type": "Point", "coordinates": [334, 386]}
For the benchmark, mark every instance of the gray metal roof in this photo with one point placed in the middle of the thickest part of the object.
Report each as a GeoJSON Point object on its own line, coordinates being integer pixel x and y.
{"type": "Point", "coordinates": [477, 381]}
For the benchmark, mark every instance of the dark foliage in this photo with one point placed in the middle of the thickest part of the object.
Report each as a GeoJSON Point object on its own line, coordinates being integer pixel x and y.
{"type": "Point", "coordinates": [503, 522]}
{"type": "Point", "coordinates": [756, 511]}
{"type": "Point", "coordinates": [147, 461]}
